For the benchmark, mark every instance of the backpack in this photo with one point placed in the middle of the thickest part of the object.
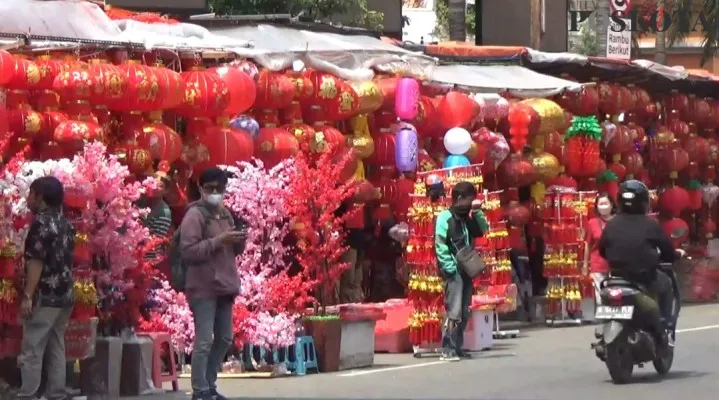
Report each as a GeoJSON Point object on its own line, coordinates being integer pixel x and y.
{"type": "Point", "coordinates": [178, 268]}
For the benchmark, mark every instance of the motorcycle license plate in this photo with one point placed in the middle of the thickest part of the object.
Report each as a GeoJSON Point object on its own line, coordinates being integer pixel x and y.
{"type": "Point", "coordinates": [609, 312]}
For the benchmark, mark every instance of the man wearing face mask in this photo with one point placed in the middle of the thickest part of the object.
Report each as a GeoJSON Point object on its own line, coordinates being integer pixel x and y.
{"type": "Point", "coordinates": [455, 228]}
{"type": "Point", "coordinates": [210, 239]}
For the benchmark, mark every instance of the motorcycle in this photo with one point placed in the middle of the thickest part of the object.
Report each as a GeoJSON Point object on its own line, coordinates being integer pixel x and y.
{"type": "Point", "coordinates": [625, 338]}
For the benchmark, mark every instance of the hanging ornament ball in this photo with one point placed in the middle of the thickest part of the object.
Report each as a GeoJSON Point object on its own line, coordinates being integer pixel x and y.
{"type": "Point", "coordinates": [247, 124]}
{"type": "Point", "coordinates": [456, 161]}
{"type": "Point", "coordinates": [457, 141]}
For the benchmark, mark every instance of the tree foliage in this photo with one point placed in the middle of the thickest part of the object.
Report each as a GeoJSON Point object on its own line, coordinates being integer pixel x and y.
{"type": "Point", "coordinates": [587, 43]}
{"type": "Point", "coordinates": [441, 10]}
{"type": "Point", "coordinates": [352, 12]}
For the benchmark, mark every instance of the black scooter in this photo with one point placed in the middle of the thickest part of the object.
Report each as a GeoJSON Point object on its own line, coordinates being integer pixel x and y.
{"type": "Point", "coordinates": [625, 339]}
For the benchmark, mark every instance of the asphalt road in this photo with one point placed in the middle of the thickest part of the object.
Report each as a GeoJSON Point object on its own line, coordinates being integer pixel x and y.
{"type": "Point", "coordinates": [544, 364]}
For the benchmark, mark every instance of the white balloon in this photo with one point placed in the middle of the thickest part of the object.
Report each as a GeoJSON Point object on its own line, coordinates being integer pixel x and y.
{"type": "Point", "coordinates": [457, 141]}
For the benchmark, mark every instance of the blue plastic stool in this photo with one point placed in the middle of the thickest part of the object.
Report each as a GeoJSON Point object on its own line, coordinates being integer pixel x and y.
{"type": "Point", "coordinates": [280, 355]}
{"type": "Point", "coordinates": [305, 356]}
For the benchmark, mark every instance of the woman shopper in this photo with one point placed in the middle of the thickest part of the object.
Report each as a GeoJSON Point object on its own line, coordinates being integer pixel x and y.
{"type": "Point", "coordinates": [605, 208]}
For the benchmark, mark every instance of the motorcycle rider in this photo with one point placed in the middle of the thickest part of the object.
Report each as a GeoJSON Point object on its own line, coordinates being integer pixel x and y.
{"type": "Point", "coordinates": [629, 243]}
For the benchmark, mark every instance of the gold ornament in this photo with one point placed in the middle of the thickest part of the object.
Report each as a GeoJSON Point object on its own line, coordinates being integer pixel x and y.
{"type": "Point", "coordinates": [546, 166]}
{"type": "Point", "coordinates": [551, 115]}
{"type": "Point", "coordinates": [361, 141]}
{"type": "Point", "coordinates": [370, 97]}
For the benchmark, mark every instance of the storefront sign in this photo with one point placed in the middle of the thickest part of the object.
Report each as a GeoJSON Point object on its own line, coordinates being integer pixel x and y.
{"type": "Point", "coordinates": [619, 42]}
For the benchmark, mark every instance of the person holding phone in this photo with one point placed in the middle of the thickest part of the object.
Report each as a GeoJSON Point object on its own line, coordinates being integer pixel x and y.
{"type": "Point", "coordinates": [210, 239]}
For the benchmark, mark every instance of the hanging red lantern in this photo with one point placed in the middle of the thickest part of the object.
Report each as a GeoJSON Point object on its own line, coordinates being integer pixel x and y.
{"type": "Point", "coordinates": [335, 97]}
{"type": "Point", "coordinates": [142, 90]}
{"type": "Point", "coordinates": [697, 149]}
{"type": "Point", "coordinates": [520, 118]}
{"type": "Point", "coordinates": [456, 109]}
{"type": "Point", "coordinates": [77, 85]}
{"type": "Point", "coordinates": [26, 75]}
{"type": "Point", "coordinates": [679, 128]}
{"type": "Point", "coordinates": [304, 134]}
{"type": "Point", "coordinates": [708, 229]}
{"type": "Point", "coordinates": [713, 121]}
{"type": "Point", "coordinates": [388, 88]}
{"type": "Point", "coordinates": [384, 150]}
{"type": "Point", "coordinates": [642, 101]}
{"type": "Point", "coordinates": [171, 88]}
{"type": "Point", "coordinates": [702, 112]}
{"type": "Point", "coordinates": [222, 145]}
{"type": "Point", "coordinates": [137, 159]}
{"type": "Point", "coordinates": [634, 164]}
{"type": "Point", "coordinates": [51, 119]}
{"type": "Point", "coordinates": [304, 89]}
{"type": "Point", "coordinates": [205, 94]}
{"type": "Point", "coordinates": [383, 119]}
{"type": "Point", "coordinates": [553, 144]}
{"type": "Point", "coordinates": [7, 67]}
{"type": "Point", "coordinates": [274, 91]}
{"type": "Point", "coordinates": [112, 81]}
{"type": "Point", "coordinates": [49, 69]}
{"type": "Point", "coordinates": [583, 102]}
{"type": "Point", "coordinates": [26, 123]}
{"type": "Point", "coordinates": [626, 99]}
{"type": "Point", "coordinates": [241, 87]}
{"type": "Point", "coordinates": [426, 120]}
{"type": "Point", "coordinates": [619, 170]}
{"type": "Point", "coordinates": [672, 160]}
{"type": "Point", "coordinates": [608, 95]}
{"type": "Point", "coordinates": [680, 102]}
{"type": "Point", "coordinates": [71, 135]}
{"type": "Point", "coordinates": [621, 143]}
{"type": "Point", "coordinates": [325, 137]}
{"type": "Point", "coordinates": [674, 200]}
{"type": "Point", "coordinates": [516, 171]}
{"type": "Point", "coordinates": [273, 145]}
{"type": "Point", "coordinates": [161, 141]}
{"type": "Point", "coordinates": [517, 215]}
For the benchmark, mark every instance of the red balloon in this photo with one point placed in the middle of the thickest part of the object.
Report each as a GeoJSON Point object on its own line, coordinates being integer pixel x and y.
{"type": "Point", "coordinates": [457, 110]}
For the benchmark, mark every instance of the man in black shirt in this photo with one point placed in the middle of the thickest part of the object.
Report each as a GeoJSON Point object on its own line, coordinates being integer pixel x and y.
{"type": "Point", "coordinates": [47, 300]}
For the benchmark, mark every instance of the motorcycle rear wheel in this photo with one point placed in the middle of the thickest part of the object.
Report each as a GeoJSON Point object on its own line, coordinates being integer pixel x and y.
{"type": "Point", "coordinates": [663, 364]}
{"type": "Point", "coordinates": [619, 360]}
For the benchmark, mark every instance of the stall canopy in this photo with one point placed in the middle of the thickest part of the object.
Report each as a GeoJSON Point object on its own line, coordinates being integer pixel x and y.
{"type": "Point", "coordinates": [348, 56]}
{"type": "Point", "coordinates": [519, 81]}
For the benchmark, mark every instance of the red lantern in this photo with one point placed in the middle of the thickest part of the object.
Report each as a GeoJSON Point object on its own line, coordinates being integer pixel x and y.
{"type": "Point", "coordinates": [51, 120]}
{"type": "Point", "coordinates": [672, 160]}
{"type": "Point", "coordinates": [679, 128]}
{"type": "Point", "coordinates": [553, 144]}
{"type": "Point", "coordinates": [584, 102]}
{"type": "Point", "coordinates": [426, 120]}
{"type": "Point", "coordinates": [274, 91]}
{"type": "Point", "coordinates": [517, 214]}
{"type": "Point", "coordinates": [516, 171]}
{"type": "Point", "coordinates": [26, 75]}
{"type": "Point", "coordinates": [634, 164]}
{"type": "Point", "coordinates": [161, 141]}
{"type": "Point", "coordinates": [273, 145]}
{"type": "Point", "coordinates": [26, 123]}
{"type": "Point", "coordinates": [456, 110]}
{"type": "Point", "coordinates": [72, 134]}
{"type": "Point", "coordinates": [713, 121]}
{"type": "Point", "coordinates": [171, 86]}
{"type": "Point", "coordinates": [221, 145]}
{"type": "Point", "coordinates": [142, 90]}
{"type": "Point", "coordinates": [708, 229]}
{"type": "Point", "coordinates": [112, 80]}
{"type": "Point", "coordinates": [137, 159]}
{"type": "Point", "coordinates": [621, 143]}
{"type": "Point", "coordinates": [205, 94]}
{"type": "Point", "coordinates": [680, 103]}
{"type": "Point", "coordinates": [326, 136]}
{"type": "Point", "coordinates": [702, 112]}
{"type": "Point", "coordinates": [626, 99]}
{"type": "Point", "coordinates": [241, 87]}
{"type": "Point", "coordinates": [674, 200]}
{"type": "Point", "coordinates": [384, 150]}
{"type": "Point", "coordinates": [520, 118]}
{"type": "Point", "coordinates": [304, 134]}
{"type": "Point", "coordinates": [49, 69]}
{"type": "Point", "coordinates": [608, 95]}
{"type": "Point", "coordinates": [77, 85]}
{"type": "Point", "coordinates": [7, 67]}
{"type": "Point", "coordinates": [698, 149]}
{"type": "Point", "coordinates": [427, 163]}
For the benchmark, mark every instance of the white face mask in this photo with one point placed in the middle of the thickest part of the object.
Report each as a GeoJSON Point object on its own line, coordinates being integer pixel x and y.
{"type": "Point", "coordinates": [604, 210]}
{"type": "Point", "coordinates": [214, 199]}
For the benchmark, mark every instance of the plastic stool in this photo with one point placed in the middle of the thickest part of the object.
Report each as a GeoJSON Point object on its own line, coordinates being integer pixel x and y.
{"type": "Point", "coordinates": [158, 377]}
{"type": "Point", "coordinates": [305, 355]}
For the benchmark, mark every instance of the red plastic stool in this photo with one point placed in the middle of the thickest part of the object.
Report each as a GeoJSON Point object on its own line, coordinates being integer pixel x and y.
{"type": "Point", "coordinates": [158, 377]}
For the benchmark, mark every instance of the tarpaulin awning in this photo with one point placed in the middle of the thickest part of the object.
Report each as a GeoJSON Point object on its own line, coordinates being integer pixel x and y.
{"type": "Point", "coordinates": [348, 56]}
{"type": "Point", "coordinates": [517, 80]}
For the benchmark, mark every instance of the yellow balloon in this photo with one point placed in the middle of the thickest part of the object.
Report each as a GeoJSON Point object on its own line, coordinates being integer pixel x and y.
{"type": "Point", "coordinates": [551, 115]}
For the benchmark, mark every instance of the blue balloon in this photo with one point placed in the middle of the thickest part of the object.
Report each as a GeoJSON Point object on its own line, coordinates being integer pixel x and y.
{"type": "Point", "coordinates": [246, 123]}
{"type": "Point", "coordinates": [455, 161]}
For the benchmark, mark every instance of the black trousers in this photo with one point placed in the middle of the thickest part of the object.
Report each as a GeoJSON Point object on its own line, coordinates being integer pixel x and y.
{"type": "Point", "coordinates": [663, 291]}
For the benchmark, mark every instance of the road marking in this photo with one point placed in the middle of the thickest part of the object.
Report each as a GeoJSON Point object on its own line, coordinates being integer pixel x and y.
{"type": "Point", "coordinates": [398, 368]}
{"type": "Point", "coordinates": [698, 328]}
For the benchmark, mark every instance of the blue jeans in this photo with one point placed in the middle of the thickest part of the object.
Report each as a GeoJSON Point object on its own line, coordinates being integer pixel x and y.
{"type": "Point", "coordinates": [458, 291]}
{"type": "Point", "coordinates": [213, 337]}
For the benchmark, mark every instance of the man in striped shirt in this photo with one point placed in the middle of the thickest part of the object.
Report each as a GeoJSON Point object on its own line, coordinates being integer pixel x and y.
{"type": "Point", "coordinates": [159, 220]}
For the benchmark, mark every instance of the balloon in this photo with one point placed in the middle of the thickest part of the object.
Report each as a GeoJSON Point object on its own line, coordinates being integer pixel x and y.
{"type": "Point", "coordinates": [455, 161]}
{"type": "Point", "coordinates": [406, 101]}
{"type": "Point", "coordinates": [502, 108]}
{"type": "Point", "coordinates": [495, 144]}
{"type": "Point", "coordinates": [406, 149]}
{"type": "Point", "coordinates": [457, 141]}
{"type": "Point", "coordinates": [247, 124]}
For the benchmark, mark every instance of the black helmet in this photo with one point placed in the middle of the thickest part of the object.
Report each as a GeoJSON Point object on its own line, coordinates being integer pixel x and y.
{"type": "Point", "coordinates": [633, 197]}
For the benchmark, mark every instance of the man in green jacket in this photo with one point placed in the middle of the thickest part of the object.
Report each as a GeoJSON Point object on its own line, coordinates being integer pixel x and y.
{"type": "Point", "coordinates": [456, 228]}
